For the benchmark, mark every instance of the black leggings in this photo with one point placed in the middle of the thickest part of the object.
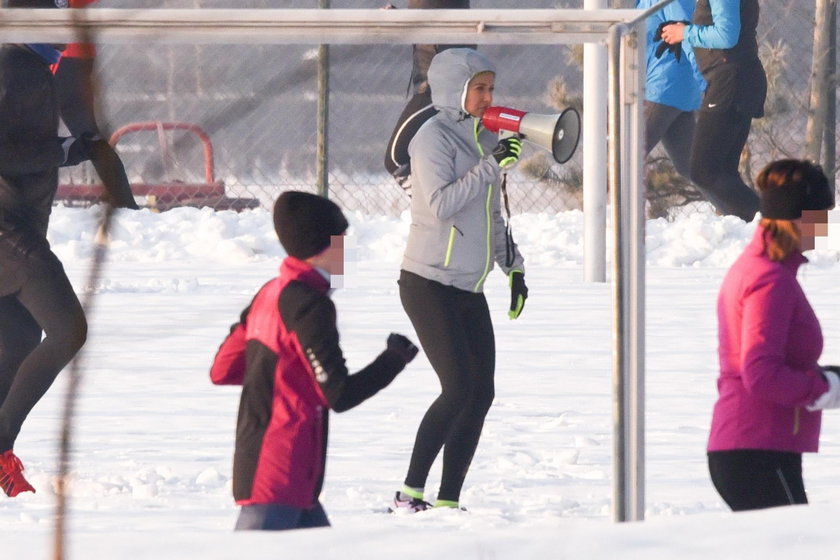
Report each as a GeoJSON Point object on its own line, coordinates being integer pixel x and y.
{"type": "Point", "coordinates": [755, 479]}
{"type": "Point", "coordinates": [675, 129]}
{"type": "Point", "coordinates": [36, 296]}
{"type": "Point", "coordinates": [456, 333]}
{"type": "Point", "coordinates": [719, 138]}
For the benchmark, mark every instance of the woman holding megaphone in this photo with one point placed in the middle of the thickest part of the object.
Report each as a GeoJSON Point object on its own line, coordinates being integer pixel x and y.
{"type": "Point", "coordinates": [457, 233]}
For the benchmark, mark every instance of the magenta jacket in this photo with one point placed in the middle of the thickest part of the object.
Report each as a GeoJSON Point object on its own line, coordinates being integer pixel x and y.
{"type": "Point", "coordinates": [769, 344]}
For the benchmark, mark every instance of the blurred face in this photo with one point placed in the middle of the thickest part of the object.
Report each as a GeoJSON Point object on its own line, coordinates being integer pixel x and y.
{"type": "Point", "coordinates": [480, 94]}
{"type": "Point", "coordinates": [335, 255]}
{"type": "Point", "coordinates": [813, 224]}
{"type": "Point", "coordinates": [330, 259]}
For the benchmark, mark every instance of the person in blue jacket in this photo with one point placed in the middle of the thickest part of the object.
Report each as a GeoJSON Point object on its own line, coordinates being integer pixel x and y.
{"type": "Point", "coordinates": [723, 36]}
{"type": "Point", "coordinates": [673, 88]}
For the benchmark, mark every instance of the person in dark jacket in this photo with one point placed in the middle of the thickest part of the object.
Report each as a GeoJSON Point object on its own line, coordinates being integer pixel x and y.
{"type": "Point", "coordinates": [35, 294]}
{"type": "Point", "coordinates": [771, 389]}
{"type": "Point", "coordinates": [285, 353]}
{"type": "Point", "coordinates": [419, 108]}
{"type": "Point", "coordinates": [723, 36]}
{"type": "Point", "coordinates": [74, 77]}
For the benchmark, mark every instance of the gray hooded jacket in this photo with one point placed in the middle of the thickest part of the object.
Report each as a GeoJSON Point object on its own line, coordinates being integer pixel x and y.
{"type": "Point", "coordinates": [457, 230]}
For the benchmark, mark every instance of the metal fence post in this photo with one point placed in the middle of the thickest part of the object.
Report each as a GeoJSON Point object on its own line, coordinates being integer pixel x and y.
{"type": "Point", "coordinates": [322, 143]}
{"type": "Point", "coordinates": [594, 153]}
{"type": "Point", "coordinates": [819, 80]}
{"type": "Point", "coordinates": [830, 162]}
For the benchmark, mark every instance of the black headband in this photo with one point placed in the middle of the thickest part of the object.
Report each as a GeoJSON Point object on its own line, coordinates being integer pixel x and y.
{"type": "Point", "coordinates": [787, 201]}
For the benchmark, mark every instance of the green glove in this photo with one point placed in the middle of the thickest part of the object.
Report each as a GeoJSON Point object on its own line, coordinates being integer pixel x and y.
{"type": "Point", "coordinates": [507, 151]}
{"type": "Point", "coordinates": [518, 293]}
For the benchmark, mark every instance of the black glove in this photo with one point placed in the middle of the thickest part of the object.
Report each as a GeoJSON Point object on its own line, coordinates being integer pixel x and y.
{"type": "Point", "coordinates": [403, 176]}
{"type": "Point", "coordinates": [77, 149]}
{"type": "Point", "coordinates": [111, 171]}
{"type": "Point", "coordinates": [507, 151]}
{"type": "Point", "coordinates": [676, 48]}
{"type": "Point", "coordinates": [518, 293]}
{"type": "Point", "coordinates": [402, 346]}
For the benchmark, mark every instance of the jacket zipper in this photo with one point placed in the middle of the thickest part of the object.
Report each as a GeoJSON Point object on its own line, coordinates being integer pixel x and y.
{"type": "Point", "coordinates": [796, 421]}
{"type": "Point", "coordinates": [451, 244]}
{"type": "Point", "coordinates": [487, 215]}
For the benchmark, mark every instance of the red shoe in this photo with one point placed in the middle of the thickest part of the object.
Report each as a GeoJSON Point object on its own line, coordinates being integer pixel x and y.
{"type": "Point", "coordinates": [11, 475]}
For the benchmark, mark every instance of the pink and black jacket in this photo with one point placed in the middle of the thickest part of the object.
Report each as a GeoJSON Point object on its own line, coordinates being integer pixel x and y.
{"type": "Point", "coordinates": [285, 353]}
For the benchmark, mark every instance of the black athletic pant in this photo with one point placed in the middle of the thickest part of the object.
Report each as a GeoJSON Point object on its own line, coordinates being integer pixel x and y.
{"type": "Point", "coordinates": [754, 479]}
{"type": "Point", "coordinates": [675, 129]}
{"type": "Point", "coordinates": [277, 517]}
{"type": "Point", "coordinates": [719, 139]}
{"type": "Point", "coordinates": [456, 333]}
{"type": "Point", "coordinates": [35, 295]}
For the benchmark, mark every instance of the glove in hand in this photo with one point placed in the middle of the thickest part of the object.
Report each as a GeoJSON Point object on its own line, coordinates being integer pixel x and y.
{"type": "Point", "coordinates": [402, 346]}
{"type": "Point", "coordinates": [77, 149]}
{"type": "Point", "coordinates": [676, 48]}
{"type": "Point", "coordinates": [507, 151]}
{"type": "Point", "coordinates": [518, 293]}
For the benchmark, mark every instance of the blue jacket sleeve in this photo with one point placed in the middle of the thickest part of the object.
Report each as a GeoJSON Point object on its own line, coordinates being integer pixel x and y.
{"type": "Point", "coordinates": [724, 31]}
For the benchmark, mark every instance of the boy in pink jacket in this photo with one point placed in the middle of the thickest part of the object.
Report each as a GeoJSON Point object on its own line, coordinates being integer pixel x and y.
{"type": "Point", "coordinates": [285, 353]}
{"type": "Point", "coordinates": [771, 389]}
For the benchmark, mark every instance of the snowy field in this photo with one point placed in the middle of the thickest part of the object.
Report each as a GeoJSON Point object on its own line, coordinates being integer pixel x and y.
{"type": "Point", "coordinates": [154, 441]}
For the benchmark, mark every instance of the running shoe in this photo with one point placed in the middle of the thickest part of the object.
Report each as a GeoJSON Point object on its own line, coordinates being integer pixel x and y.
{"type": "Point", "coordinates": [11, 475]}
{"type": "Point", "coordinates": [404, 502]}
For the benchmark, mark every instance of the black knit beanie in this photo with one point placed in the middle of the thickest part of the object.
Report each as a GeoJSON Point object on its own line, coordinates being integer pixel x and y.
{"type": "Point", "coordinates": [304, 223]}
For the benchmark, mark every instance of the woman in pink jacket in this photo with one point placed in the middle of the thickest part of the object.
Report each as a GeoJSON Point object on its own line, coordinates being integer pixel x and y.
{"type": "Point", "coordinates": [771, 390]}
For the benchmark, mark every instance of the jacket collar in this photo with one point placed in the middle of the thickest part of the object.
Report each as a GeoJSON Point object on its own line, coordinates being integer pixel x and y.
{"type": "Point", "coordinates": [758, 246]}
{"type": "Point", "coordinates": [295, 269]}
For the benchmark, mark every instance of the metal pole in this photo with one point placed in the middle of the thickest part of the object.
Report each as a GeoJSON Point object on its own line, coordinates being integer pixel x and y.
{"type": "Point", "coordinates": [625, 136]}
{"type": "Point", "coordinates": [627, 197]}
{"type": "Point", "coordinates": [594, 155]}
{"type": "Point", "coordinates": [830, 161]}
{"type": "Point", "coordinates": [315, 26]}
{"type": "Point", "coordinates": [620, 452]}
{"type": "Point", "coordinates": [818, 106]}
{"type": "Point", "coordinates": [635, 200]}
{"type": "Point", "coordinates": [322, 179]}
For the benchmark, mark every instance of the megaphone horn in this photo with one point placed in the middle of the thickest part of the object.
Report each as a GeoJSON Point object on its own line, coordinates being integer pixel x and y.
{"type": "Point", "coordinates": [558, 134]}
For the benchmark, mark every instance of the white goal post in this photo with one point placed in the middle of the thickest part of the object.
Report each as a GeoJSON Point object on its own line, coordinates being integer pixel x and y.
{"type": "Point", "coordinates": [622, 30]}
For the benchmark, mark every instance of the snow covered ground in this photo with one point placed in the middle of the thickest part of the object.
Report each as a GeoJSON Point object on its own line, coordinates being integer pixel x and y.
{"type": "Point", "coordinates": [154, 440]}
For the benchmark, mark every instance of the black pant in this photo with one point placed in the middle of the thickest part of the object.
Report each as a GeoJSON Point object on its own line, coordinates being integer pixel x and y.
{"type": "Point", "coordinates": [456, 333]}
{"type": "Point", "coordinates": [276, 517]}
{"type": "Point", "coordinates": [35, 295]}
{"type": "Point", "coordinates": [675, 129]}
{"type": "Point", "coordinates": [719, 138]}
{"type": "Point", "coordinates": [755, 479]}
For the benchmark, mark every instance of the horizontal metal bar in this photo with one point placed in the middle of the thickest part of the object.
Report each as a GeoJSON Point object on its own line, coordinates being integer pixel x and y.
{"type": "Point", "coordinates": [311, 26]}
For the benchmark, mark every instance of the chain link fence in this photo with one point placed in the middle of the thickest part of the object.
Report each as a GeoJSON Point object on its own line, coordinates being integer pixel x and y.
{"type": "Point", "coordinates": [232, 126]}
